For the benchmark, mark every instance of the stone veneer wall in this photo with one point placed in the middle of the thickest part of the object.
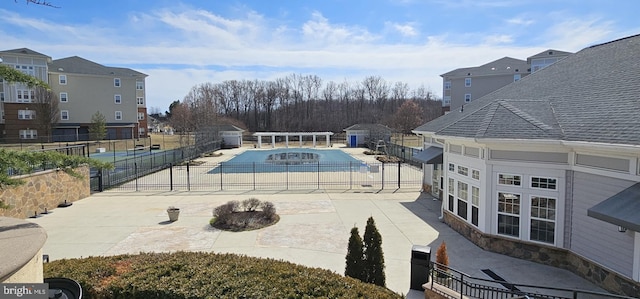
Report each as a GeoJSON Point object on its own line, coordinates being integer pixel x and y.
{"type": "Point", "coordinates": [547, 255]}
{"type": "Point", "coordinates": [44, 189]}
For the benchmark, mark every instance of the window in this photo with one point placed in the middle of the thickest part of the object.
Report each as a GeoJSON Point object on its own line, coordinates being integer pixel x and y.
{"type": "Point", "coordinates": [27, 69]}
{"type": "Point", "coordinates": [463, 170]}
{"type": "Point", "coordinates": [451, 190]}
{"type": "Point", "coordinates": [543, 183]}
{"type": "Point", "coordinates": [463, 195]}
{"type": "Point", "coordinates": [467, 97]}
{"type": "Point", "coordinates": [24, 95]}
{"type": "Point", "coordinates": [140, 100]}
{"type": "Point", "coordinates": [446, 100]}
{"type": "Point", "coordinates": [447, 85]}
{"type": "Point", "coordinates": [140, 115]}
{"type": "Point", "coordinates": [543, 219]}
{"type": "Point", "coordinates": [475, 174]}
{"type": "Point", "coordinates": [28, 134]}
{"type": "Point", "coordinates": [116, 82]}
{"type": "Point", "coordinates": [1, 96]}
{"type": "Point", "coordinates": [141, 132]}
{"type": "Point", "coordinates": [117, 99]}
{"type": "Point", "coordinates": [475, 203]}
{"type": "Point", "coordinates": [516, 77]}
{"type": "Point", "coordinates": [467, 82]}
{"type": "Point", "coordinates": [508, 179]}
{"type": "Point", "coordinates": [509, 214]}
{"type": "Point", "coordinates": [64, 97]}
{"type": "Point", "coordinates": [139, 85]}
{"type": "Point", "coordinates": [118, 115]}
{"type": "Point", "coordinates": [64, 114]}
{"type": "Point", "coordinates": [26, 114]}
{"type": "Point", "coordinates": [452, 167]}
{"type": "Point", "coordinates": [62, 79]}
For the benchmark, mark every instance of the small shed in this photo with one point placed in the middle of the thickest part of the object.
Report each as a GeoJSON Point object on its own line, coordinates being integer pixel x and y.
{"type": "Point", "coordinates": [230, 135]}
{"type": "Point", "coordinates": [363, 134]}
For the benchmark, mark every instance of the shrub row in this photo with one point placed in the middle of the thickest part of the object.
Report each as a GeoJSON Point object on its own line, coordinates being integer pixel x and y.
{"type": "Point", "coordinates": [206, 275]}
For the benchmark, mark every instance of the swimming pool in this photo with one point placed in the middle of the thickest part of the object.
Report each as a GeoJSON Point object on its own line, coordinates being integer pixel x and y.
{"type": "Point", "coordinates": [288, 160]}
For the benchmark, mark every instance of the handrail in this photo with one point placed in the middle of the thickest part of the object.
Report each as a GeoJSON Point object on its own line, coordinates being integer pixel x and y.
{"type": "Point", "coordinates": [467, 285]}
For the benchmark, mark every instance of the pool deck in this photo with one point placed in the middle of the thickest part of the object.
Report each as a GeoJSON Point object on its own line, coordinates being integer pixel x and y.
{"type": "Point", "coordinates": [313, 231]}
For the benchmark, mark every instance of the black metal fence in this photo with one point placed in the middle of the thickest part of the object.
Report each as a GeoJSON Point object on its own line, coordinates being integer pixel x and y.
{"type": "Point", "coordinates": [227, 176]}
{"type": "Point", "coordinates": [143, 163]}
{"type": "Point", "coordinates": [468, 286]}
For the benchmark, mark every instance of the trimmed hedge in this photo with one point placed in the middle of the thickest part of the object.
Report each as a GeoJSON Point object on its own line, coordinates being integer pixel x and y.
{"type": "Point", "coordinates": [194, 275]}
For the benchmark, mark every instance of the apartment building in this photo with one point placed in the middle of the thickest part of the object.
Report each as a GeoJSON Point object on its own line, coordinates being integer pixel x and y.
{"type": "Point", "coordinates": [548, 168]}
{"type": "Point", "coordinates": [81, 88]}
{"type": "Point", "coordinates": [464, 85]}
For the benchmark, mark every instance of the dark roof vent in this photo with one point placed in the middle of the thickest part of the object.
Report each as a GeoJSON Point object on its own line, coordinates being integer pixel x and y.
{"type": "Point", "coordinates": [468, 74]}
{"type": "Point", "coordinates": [462, 108]}
{"type": "Point", "coordinates": [550, 52]}
{"type": "Point", "coordinates": [517, 70]}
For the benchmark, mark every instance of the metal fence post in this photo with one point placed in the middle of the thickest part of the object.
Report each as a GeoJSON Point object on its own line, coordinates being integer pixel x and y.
{"type": "Point", "coordinates": [382, 175]}
{"type": "Point", "coordinates": [221, 171]}
{"type": "Point", "coordinates": [100, 187]}
{"type": "Point", "coordinates": [135, 169]}
{"type": "Point", "coordinates": [170, 176]}
{"type": "Point", "coordinates": [188, 178]}
{"type": "Point", "coordinates": [350, 175]}
{"type": "Point", "coordinates": [398, 174]}
{"type": "Point", "coordinates": [318, 175]}
{"type": "Point", "coordinates": [254, 175]}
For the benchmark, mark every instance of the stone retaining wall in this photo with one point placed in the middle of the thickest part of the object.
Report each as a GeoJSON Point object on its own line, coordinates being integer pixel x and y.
{"type": "Point", "coordinates": [44, 190]}
{"type": "Point", "coordinates": [547, 255]}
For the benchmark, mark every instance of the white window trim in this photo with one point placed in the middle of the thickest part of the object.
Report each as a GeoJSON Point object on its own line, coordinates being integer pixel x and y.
{"type": "Point", "coordinates": [62, 112]}
{"type": "Point", "coordinates": [497, 194]}
{"type": "Point", "coordinates": [513, 174]}
{"type": "Point", "coordinates": [115, 99]}
{"type": "Point", "coordinates": [66, 96]}
{"type": "Point", "coordinates": [472, 170]}
{"type": "Point", "coordinates": [467, 97]}
{"type": "Point", "coordinates": [140, 100]}
{"type": "Point", "coordinates": [529, 218]}
{"type": "Point", "coordinates": [117, 82]}
{"type": "Point", "coordinates": [542, 177]}
{"type": "Point", "coordinates": [116, 115]}
{"type": "Point", "coordinates": [137, 85]}
{"type": "Point", "coordinates": [467, 80]}
{"type": "Point", "coordinates": [62, 82]}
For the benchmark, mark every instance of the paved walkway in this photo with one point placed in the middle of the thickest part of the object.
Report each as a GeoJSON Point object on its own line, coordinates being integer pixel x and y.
{"type": "Point", "coordinates": [313, 230]}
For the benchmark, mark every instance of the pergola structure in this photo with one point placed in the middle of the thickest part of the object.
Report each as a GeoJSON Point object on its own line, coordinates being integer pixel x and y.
{"type": "Point", "coordinates": [287, 134]}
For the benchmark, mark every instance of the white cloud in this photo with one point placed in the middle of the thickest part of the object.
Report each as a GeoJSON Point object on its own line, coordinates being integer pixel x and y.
{"type": "Point", "coordinates": [406, 30]}
{"type": "Point", "coordinates": [574, 34]}
{"type": "Point", "coordinates": [521, 21]}
{"type": "Point", "coordinates": [497, 39]}
{"type": "Point", "coordinates": [318, 31]}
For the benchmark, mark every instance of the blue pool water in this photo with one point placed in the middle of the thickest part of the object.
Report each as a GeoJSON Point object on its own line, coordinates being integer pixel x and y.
{"type": "Point", "coordinates": [288, 160]}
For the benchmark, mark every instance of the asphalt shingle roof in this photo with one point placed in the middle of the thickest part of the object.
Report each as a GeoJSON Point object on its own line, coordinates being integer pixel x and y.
{"type": "Point", "coordinates": [505, 65]}
{"type": "Point", "coordinates": [79, 65]}
{"type": "Point", "coordinates": [591, 96]}
{"type": "Point", "coordinates": [25, 51]}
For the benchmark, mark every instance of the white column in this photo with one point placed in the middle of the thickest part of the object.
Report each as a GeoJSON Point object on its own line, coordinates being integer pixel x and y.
{"type": "Point", "coordinates": [314, 140]}
{"type": "Point", "coordinates": [328, 141]}
{"type": "Point", "coordinates": [286, 141]}
{"type": "Point", "coordinates": [300, 140]}
{"type": "Point", "coordinates": [259, 141]}
{"type": "Point", "coordinates": [273, 141]}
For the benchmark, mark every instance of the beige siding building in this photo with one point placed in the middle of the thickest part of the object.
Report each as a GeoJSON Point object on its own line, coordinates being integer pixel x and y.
{"type": "Point", "coordinates": [81, 88]}
{"type": "Point", "coordinates": [464, 85]}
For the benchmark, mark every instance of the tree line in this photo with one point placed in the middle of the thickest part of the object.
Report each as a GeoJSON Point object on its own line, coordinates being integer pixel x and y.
{"type": "Point", "coordinates": [303, 103]}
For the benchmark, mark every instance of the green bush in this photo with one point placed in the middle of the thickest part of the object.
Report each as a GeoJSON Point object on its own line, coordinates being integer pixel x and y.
{"type": "Point", "coordinates": [206, 275]}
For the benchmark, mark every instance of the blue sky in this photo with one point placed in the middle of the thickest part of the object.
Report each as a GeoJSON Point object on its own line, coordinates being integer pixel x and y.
{"type": "Point", "coordinates": [183, 43]}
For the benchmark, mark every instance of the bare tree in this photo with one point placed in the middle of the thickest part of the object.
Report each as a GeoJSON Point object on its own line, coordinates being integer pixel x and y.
{"type": "Point", "coordinates": [39, 2]}
{"type": "Point", "coordinates": [408, 117]}
{"type": "Point", "coordinates": [47, 112]}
